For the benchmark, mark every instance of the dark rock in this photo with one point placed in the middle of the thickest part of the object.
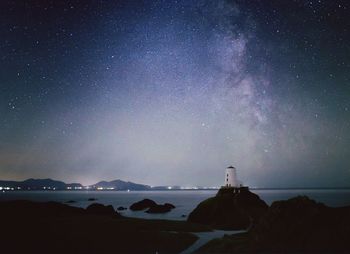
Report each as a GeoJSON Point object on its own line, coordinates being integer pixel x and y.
{"type": "Point", "coordinates": [151, 206]}
{"type": "Point", "coordinates": [183, 216]}
{"type": "Point", "coordinates": [71, 201]}
{"type": "Point", "coordinates": [100, 209]}
{"type": "Point", "coordinates": [303, 224]}
{"type": "Point", "coordinates": [121, 208]}
{"type": "Point", "coordinates": [231, 208]}
{"type": "Point", "coordinates": [92, 199]}
{"type": "Point", "coordinates": [297, 225]}
{"type": "Point", "coordinates": [171, 206]}
{"type": "Point", "coordinates": [143, 204]}
{"type": "Point", "coordinates": [160, 208]}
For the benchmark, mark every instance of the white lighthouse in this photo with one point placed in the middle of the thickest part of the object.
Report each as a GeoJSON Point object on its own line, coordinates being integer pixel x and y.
{"type": "Point", "coordinates": [231, 179]}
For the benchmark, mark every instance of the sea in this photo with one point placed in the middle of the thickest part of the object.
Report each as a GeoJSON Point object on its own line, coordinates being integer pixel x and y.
{"type": "Point", "coordinates": [184, 200]}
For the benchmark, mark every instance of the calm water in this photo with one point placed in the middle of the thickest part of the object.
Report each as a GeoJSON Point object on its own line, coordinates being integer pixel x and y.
{"type": "Point", "coordinates": [185, 201]}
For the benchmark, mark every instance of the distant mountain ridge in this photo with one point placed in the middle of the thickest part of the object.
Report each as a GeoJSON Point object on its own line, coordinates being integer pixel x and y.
{"type": "Point", "coordinates": [50, 184]}
{"type": "Point", "coordinates": [38, 184]}
{"type": "Point", "coordinates": [121, 185]}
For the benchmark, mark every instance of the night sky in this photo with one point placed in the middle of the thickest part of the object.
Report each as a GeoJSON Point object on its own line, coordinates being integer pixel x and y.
{"type": "Point", "coordinates": [173, 92]}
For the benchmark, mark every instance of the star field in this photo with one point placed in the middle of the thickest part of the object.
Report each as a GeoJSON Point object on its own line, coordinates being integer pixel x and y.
{"type": "Point", "coordinates": [171, 92]}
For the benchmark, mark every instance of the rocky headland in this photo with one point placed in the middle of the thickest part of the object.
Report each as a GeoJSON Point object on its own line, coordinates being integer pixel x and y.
{"type": "Point", "coordinates": [230, 209]}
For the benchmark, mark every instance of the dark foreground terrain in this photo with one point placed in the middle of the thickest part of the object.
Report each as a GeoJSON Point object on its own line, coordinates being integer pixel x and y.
{"type": "Point", "coordinates": [30, 227]}
{"type": "Point", "coordinates": [297, 225]}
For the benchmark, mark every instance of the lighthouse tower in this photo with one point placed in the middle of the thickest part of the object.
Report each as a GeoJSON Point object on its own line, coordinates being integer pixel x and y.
{"type": "Point", "coordinates": [231, 179]}
{"type": "Point", "coordinates": [232, 184]}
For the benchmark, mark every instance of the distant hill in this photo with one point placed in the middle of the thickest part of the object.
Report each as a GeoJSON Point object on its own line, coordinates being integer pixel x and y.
{"type": "Point", "coordinates": [38, 184]}
{"type": "Point", "coordinates": [49, 184]}
{"type": "Point", "coordinates": [120, 185]}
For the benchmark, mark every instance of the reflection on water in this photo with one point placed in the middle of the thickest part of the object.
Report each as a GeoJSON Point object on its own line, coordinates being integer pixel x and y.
{"type": "Point", "coordinates": [185, 201]}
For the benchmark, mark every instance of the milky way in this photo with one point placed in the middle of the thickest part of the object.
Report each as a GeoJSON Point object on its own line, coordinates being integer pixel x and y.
{"type": "Point", "coordinates": [172, 92]}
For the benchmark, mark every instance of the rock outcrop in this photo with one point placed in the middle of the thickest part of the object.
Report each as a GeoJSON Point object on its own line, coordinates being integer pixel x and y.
{"type": "Point", "coordinates": [160, 208]}
{"type": "Point", "coordinates": [151, 206]}
{"type": "Point", "coordinates": [231, 208]}
{"type": "Point", "coordinates": [142, 205]}
{"type": "Point", "coordinates": [99, 209]}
